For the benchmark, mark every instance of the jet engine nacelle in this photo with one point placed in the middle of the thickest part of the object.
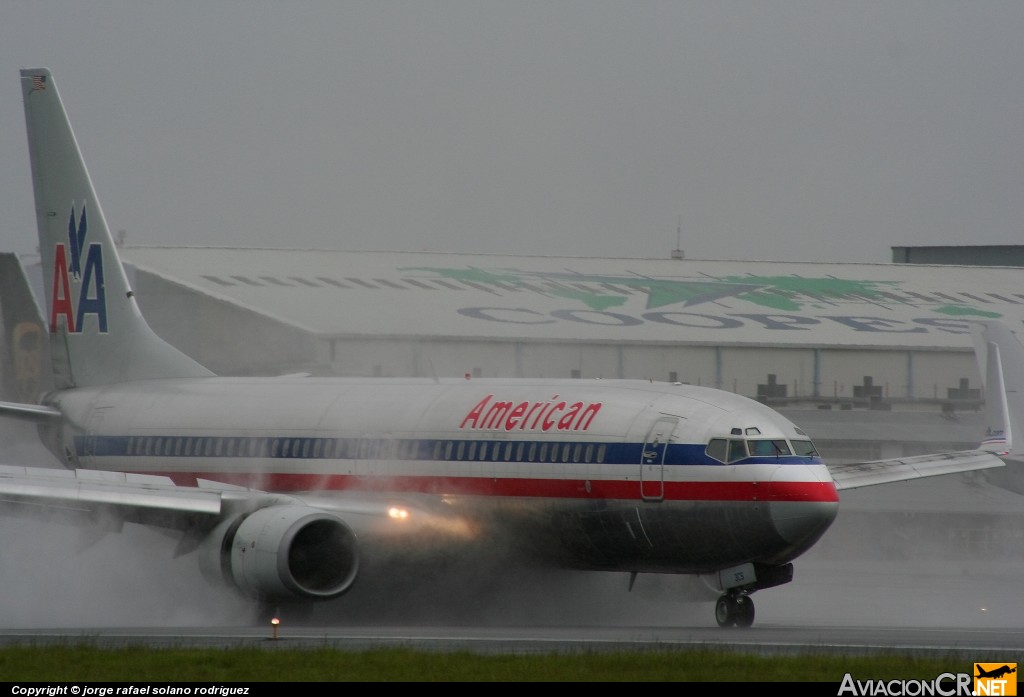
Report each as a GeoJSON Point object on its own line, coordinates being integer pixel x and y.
{"type": "Point", "coordinates": [283, 553]}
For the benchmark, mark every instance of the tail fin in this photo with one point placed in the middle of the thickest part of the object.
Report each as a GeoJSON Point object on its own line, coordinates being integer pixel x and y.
{"type": "Point", "coordinates": [24, 351]}
{"type": "Point", "coordinates": [97, 334]}
{"type": "Point", "coordinates": [1001, 360]}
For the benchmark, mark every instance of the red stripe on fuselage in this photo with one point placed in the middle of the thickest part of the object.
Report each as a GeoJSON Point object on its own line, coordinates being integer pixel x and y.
{"type": "Point", "coordinates": [514, 487]}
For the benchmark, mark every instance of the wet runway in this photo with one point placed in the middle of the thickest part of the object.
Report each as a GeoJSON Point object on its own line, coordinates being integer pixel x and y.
{"type": "Point", "coordinates": [971, 645]}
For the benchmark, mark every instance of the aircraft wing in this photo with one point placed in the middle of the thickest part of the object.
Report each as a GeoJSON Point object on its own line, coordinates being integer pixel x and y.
{"type": "Point", "coordinates": [855, 475]}
{"type": "Point", "coordinates": [157, 500]}
{"type": "Point", "coordinates": [87, 491]}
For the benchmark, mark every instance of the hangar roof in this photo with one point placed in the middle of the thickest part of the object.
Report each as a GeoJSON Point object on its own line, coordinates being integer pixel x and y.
{"type": "Point", "coordinates": [646, 301]}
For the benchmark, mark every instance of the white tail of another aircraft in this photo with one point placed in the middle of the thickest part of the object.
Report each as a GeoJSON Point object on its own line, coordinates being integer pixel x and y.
{"type": "Point", "coordinates": [1000, 358]}
{"type": "Point", "coordinates": [97, 333]}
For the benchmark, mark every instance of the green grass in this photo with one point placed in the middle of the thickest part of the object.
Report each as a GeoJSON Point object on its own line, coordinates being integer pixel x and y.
{"type": "Point", "coordinates": [74, 663]}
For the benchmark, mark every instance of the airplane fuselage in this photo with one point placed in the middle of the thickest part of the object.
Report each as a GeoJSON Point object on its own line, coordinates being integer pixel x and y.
{"type": "Point", "coordinates": [616, 475]}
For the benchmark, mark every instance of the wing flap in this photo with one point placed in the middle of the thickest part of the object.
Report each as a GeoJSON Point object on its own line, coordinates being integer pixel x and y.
{"type": "Point", "coordinates": [87, 489]}
{"type": "Point", "coordinates": [860, 474]}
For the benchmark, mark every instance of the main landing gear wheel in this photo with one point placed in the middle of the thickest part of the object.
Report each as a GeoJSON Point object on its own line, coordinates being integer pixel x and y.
{"type": "Point", "coordinates": [734, 611]}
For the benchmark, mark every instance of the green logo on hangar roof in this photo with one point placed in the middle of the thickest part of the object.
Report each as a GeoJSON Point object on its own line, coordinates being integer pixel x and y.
{"type": "Point", "coordinates": [782, 293]}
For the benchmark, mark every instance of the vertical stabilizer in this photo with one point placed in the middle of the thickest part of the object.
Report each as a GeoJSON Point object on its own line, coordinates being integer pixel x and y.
{"type": "Point", "coordinates": [24, 350]}
{"type": "Point", "coordinates": [97, 334]}
{"type": "Point", "coordinates": [1001, 360]}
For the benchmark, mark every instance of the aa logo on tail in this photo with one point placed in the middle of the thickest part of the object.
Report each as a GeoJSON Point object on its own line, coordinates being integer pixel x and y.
{"type": "Point", "coordinates": [78, 288]}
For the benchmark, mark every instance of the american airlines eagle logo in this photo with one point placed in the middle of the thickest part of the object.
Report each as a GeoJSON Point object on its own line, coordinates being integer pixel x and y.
{"type": "Point", "coordinates": [78, 288]}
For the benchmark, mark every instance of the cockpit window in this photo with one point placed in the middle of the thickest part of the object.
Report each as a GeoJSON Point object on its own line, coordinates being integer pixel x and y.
{"type": "Point", "coordinates": [716, 449]}
{"type": "Point", "coordinates": [737, 450]}
{"type": "Point", "coordinates": [769, 448]}
{"type": "Point", "coordinates": [726, 449]}
{"type": "Point", "coordinates": [804, 448]}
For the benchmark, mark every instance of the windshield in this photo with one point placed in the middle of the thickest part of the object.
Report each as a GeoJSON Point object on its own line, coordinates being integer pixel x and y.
{"type": "Point", "coordinates": [768, 448]}
{"type": "Point", "coordinates": [805, 448]}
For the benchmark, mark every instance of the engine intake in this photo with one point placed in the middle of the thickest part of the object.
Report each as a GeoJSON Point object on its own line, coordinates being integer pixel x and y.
{"type": "Point", "coordinates": [284, 552]}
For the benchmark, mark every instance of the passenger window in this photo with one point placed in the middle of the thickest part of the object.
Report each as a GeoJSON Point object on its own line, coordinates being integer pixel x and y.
{"type": "Point", "coordinates": [461, 450]}
{"type": "Point", "coordinates": [472, 451]}
{"type": "Point", "coordinates": [519, 452]}
{"type": "Point", "coordinates": [588, 455]}
{"type": "Point", "coordinates": [601, 449]}
{"type": "Point", "coordinates": [576, 452]}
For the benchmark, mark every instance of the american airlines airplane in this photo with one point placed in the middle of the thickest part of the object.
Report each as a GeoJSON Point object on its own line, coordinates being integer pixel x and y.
{"type": "Point", "coordinates": [281, 485]}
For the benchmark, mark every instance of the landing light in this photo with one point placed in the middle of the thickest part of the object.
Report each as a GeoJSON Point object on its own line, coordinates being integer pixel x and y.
{"type": "Point", "coordinates": [275, 623]}
{"type": "Point", "coordinates": [398, 513]}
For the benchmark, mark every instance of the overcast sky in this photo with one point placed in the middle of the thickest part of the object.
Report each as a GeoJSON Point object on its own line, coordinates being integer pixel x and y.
{"type": "Point", "coordinates": [810, 131]}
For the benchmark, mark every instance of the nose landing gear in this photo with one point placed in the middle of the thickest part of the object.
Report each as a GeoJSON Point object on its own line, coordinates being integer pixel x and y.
{"type": "Point", "coordinates": [734, 610]}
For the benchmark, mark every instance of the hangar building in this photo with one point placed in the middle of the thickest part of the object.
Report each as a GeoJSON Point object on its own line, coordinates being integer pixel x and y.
{"type": "Point", "coordinates": [866, 340]}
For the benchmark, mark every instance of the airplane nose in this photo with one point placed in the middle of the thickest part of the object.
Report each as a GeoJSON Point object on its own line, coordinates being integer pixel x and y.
{"type": "Point", "coordinates": [804, 503]}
